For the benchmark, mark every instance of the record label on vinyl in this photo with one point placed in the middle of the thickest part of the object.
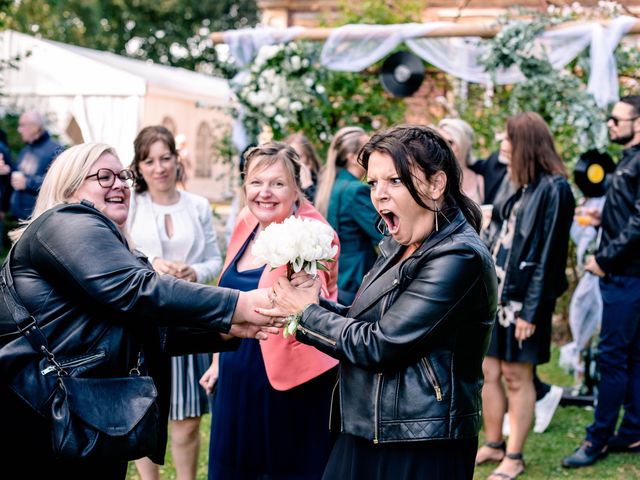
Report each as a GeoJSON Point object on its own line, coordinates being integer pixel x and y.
{"type": "Point", "coordinates": [591, 172]}
{"type": "Point", "coordinates": [402, 74]}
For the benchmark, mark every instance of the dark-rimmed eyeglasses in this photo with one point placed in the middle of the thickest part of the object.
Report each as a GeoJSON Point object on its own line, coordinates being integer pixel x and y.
{"type": "Point", "coordinates": [616, 120]}
{"type": "Point", "coordinates": [107, 177]}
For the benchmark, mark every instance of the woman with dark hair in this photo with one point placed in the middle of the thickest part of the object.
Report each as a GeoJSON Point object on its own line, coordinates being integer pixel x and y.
{"type": "Point", "coordinates": [530, 252]}
{"type": "Point", "coordinates": [411, 345]}
{"type": "Point", "coordinates": [309, 161]}
{"type": "Point", "coordinates": [344, 200]}
{"type": "Point", "coordinates": [174, 229]}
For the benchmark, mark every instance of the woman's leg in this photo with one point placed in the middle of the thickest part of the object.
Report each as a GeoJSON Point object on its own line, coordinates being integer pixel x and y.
{"type": "Point", "coordinates": [494, 405]}
{"type": "Point", "coordinates": [185, 445]}
{"type": "Point", "coordinates": [147, 469]}
{"type": "Point", "coordinates": [522, 399]}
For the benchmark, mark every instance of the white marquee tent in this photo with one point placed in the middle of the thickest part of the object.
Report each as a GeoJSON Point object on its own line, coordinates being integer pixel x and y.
{"type": "Point", "coordinates": [109, 97]}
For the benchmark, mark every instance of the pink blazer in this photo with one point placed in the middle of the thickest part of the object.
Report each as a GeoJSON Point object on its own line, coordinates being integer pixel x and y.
{"type": "Point", "coordinates": [288, 362]}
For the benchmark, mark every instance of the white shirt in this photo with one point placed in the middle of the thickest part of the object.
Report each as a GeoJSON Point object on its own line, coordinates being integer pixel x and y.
{"type": "Point", "coordinates": [194, 239]}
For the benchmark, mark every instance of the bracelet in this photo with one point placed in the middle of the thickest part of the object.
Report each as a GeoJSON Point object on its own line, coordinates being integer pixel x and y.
{"type": "Point", "coordinates": [293, 320]}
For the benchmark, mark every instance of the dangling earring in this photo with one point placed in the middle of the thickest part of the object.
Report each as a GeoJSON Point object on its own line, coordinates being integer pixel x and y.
{"type": "Point", "coordinates": [381, 226]}
{"type": "Point", "coordinates": [436, 212]}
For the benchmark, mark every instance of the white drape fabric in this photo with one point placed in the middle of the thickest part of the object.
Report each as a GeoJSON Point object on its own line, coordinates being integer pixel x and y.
{"type": "Point", "coordinates": [355, 47]}
{"type": "Point", "coordinates": [244, 44]}
{"type": "Point", "coordinates": [96, 119]}
{"type": "Point", "coordinates": [603, 81]}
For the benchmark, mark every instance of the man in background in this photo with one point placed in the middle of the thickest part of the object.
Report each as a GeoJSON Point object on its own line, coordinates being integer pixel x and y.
{"type": "Point", "coordinates": [617, 263]}
{"type": "Point", "coordinates": [32, 163]}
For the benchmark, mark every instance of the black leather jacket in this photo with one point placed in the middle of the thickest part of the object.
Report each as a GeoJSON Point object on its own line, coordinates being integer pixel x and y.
{"type": "Point", "coordinates": [98, 304]}
{"type": "Point", "coordinates": [412, 345]}
{"type": "Point", "coordinates": [619, 249]}
{"type": "Point", "coordinates": [538, 258]}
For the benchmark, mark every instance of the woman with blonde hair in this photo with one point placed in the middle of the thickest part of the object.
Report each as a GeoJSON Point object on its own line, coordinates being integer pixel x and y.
{"type": "Point", "coordinates": [460, 137]}
{"type": "Point", "coordinates": [102, 309]}
{"type": "Point", "coordinates": [287, 436]}
{"type": "Point", "coordinates": [346, 203]}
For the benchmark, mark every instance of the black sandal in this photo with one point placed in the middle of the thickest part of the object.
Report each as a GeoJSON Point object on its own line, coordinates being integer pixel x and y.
{"type": "Point", "coordinates": [505, 476]}
{"type": "Point", "coordinates": [496, 446]}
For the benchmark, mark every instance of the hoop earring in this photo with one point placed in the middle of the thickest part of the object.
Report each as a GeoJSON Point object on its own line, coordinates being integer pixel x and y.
{"type": "Point", "coordinates": [436, 212]}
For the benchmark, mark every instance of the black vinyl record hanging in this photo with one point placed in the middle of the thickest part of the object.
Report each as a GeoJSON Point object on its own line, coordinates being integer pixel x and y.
{"type": "Point", "coordinates": [402, 74]}
{"type": "Point", "coordinates": [590, 173]}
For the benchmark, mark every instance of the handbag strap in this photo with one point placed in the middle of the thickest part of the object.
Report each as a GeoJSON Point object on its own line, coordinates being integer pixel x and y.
{"type": "Point", "coordinates": [25, 322]}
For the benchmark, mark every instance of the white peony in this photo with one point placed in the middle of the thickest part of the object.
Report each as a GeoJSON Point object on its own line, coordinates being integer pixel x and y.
{"type": "Point", "coordinates": [301, 243]}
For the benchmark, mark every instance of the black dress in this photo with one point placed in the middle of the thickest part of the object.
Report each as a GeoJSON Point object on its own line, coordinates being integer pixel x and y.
{"type": "Point", "coordinates": [258, 432]}
{"type": "Point", "coordinates": [356, 458]}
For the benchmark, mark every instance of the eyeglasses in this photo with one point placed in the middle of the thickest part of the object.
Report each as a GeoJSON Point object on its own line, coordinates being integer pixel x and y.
{"type": "Point", "coordinates": [616, 120]}
{"type": "Point", "coordinates": [107, 177]}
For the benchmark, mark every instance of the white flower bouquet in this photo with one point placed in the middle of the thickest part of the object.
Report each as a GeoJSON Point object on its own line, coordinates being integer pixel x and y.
{"type": "Point", "coordinates": [300, 244]}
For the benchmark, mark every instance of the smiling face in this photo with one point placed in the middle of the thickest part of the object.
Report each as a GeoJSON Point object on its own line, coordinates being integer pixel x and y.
{"type": "Point", "coordinates": [112, 201]}
{"type": "Point", "coordinates": [159, 169]}
{"type": "Point", "coordinates": [408, 222]}
{"type": "Point", "coordinates": [271, 192]}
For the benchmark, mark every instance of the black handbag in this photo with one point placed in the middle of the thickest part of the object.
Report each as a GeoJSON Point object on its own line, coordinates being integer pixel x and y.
{"type": "Point", "coordinates": [106, 418]}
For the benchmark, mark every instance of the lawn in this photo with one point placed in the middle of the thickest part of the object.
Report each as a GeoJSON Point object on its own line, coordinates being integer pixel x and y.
{"type": "Point", "coordinates": [542, 454]}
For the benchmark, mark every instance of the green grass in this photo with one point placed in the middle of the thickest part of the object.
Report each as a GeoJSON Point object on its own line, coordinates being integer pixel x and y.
{"type": "Point", "coordinates": [543, 452]}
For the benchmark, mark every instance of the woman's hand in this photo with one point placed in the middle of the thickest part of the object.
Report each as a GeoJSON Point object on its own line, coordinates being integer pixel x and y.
{"type": "Point", "coordinates": [247, 322]}
{"type": "Point", "coordinates": [524, 329]}
{"type": "Point", "coordinates": [186, 272]}
{"type": "Point", "coordinates": [175, 269]}
{"type": "Point", "coordinates": [210, 377]}
{"type": "Point", "coordinates": [287, 299]}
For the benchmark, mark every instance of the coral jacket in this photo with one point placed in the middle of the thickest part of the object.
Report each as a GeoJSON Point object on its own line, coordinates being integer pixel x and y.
{"type": "Point", "coordinates": [288, 362]}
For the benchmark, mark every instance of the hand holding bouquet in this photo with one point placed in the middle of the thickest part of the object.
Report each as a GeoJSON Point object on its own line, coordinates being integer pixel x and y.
{"type": "Point", "coordinates": [300, 244]}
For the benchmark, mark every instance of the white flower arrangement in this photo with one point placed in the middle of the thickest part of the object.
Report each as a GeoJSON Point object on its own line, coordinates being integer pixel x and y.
{"type": "Point", "coordinates": [300, 243]}
{"type": "Point", "coordinates": [283, 90]}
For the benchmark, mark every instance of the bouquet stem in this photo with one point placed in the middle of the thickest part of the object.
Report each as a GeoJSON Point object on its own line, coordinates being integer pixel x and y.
{"type": "Point", "coordinates": [289, 271]}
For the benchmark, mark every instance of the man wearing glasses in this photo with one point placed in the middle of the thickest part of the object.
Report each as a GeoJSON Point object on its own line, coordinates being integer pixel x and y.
{"type": "Point", "coordinates": [617, 263]}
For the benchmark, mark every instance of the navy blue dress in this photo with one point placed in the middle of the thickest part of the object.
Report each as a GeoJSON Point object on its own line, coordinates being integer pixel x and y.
{"type": "Point", "coordinates": [258, 432]}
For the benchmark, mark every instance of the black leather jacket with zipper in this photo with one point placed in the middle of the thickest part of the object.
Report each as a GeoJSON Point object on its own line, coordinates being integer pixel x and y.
{"type": "Point", "coordinates": [100, 305]}
{"type": "Point", "coordinates": [411, 346]}
{"type": "Point", "coordinates": [537, 261]}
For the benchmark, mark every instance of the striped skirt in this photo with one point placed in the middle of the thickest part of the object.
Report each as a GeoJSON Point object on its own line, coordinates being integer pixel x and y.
{"type": "Point", "coordinates": [188, 398]}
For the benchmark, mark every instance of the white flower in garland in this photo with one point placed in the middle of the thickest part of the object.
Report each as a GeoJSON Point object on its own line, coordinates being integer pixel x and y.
{"type": "Point", "coordinates": [283, 91]}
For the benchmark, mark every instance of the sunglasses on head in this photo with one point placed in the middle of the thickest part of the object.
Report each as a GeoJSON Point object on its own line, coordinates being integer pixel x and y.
{"type": "Point", "coordinates": [616, 120]}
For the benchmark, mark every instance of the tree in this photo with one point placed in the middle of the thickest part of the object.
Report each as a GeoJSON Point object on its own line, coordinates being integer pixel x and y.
{"type": "Point", "coordinates": [172, 32]}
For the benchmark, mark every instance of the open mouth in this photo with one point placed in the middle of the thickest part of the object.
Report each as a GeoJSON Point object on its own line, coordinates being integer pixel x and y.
{"type": "Point", "coordinates": [118, 200]}
{"type": "Point", "coordinates": [392, 221]}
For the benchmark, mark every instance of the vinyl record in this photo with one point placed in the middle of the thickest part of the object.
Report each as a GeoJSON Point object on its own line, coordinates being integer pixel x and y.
{"type": "Point", "coordinates": [401, 74]}
{"type": "Point", "coordinates": [590, 173]}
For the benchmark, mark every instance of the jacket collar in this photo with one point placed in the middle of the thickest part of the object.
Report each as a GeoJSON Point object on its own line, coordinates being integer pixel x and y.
{"type": "Point", "coordinates": [389, 251]}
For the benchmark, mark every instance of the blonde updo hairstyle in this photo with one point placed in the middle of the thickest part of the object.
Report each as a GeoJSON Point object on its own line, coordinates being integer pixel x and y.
{"type": "Point", "coordinates": [462, 135]}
